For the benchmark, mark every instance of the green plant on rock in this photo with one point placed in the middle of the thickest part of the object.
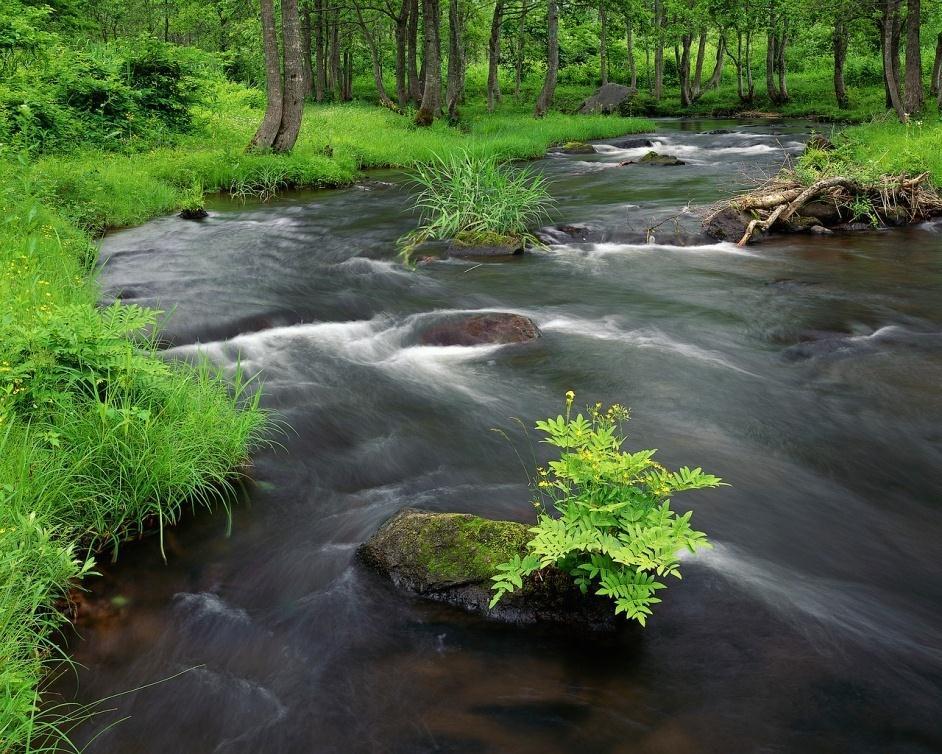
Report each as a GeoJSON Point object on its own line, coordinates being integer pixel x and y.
{"type": "Point", "coordinates": [476, 199]}
{"type": "Point", "coordinates": [614, 531]}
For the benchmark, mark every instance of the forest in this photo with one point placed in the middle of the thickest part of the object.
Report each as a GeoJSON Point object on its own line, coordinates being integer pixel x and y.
{"type": "Point", "coordinates": [271, 252]}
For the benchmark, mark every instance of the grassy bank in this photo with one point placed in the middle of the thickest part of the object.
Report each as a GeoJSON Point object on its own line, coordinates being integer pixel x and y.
{"type": "Point", "coordinates": [106, 189]}
{"type": "Point", "coordinates": [101, 440]}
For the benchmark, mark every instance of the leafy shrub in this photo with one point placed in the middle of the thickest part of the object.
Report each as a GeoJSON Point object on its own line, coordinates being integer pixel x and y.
{"type": "Point", "coordinates": [615, 532]}
{"type": "Point", "coordinates": [473, 196]}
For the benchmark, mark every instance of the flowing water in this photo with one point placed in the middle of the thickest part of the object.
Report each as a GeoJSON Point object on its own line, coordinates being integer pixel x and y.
{"type": "Point", "coordinates": [805, 371]}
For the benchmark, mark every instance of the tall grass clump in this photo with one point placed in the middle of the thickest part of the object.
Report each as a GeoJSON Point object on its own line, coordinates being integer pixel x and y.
{"type": "Point", "coordinates": [100, 441]}
{"type": "Point", "coordinates": [476, 201]}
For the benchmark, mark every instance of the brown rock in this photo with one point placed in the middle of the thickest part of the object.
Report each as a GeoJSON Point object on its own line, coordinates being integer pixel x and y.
{"type": "Point", "coordinates": [480, 329]}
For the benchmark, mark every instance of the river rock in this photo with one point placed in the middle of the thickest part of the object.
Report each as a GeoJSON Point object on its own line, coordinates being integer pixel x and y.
{"type": "Point", "coordinates": [654, 159]}
{"type": "Point", "coordinates": [633, 144]}
{"type": "Point", "coordinates": [607, 99]}
{"type": "Point", "coordinates": [193, 214]}
{"type": "Point", "coordinates": [727, 225]}
{"type": "Point", "coordinates": [487, 328]}
{"type": "Point", "coordinates": [576, 147]}
{"type": "Point", "coordinates": [495, 246]}
{"type": "Point", "coordinates": [450, 558]}
{"type": "Point", "coordinates": [717, 132]}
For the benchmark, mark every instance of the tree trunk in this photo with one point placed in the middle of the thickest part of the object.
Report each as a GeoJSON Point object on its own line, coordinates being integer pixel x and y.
{"type": "Point", "coordinates": [603, 43]}
{"type": "Point", "coordinates": [739, 68]}
{"type": "Point", "coordinates": [521, 48]}
{"type": "Point", "coordinates": [937, 67]}
{"type": "Point", "coordinates": [696, 87]}
{"type": "Point", "coordinates": [914, 94]}
{"type": "Point", "coordinates": [545, 100]}
{"type": "Point", "coordinates": [401, 33]}
{"type": "Point", "coordinates": [265, 135]}
{"type": "Point", "coordinates": [493, 56]}
{"type": "Point", "coordinates": [658, 50]}
{"type": "Point", "coordinates": [632, 66]}
{"type": "Point", "coordinates": [717, 76]}
{"type": "Point", "coordinates": [293, 105]}
{"type": "Point", "coordinates": [890, 69]}
{"type": "Point", "coordinates": [750, 84]}
{"type": "Point", "coordinates": [306, 51]}
{"type": "Point", "coordinates": [376, 59]}
{"type": "Point", "coordinates": [412, 57]}
{"type": "Point", "coordinates": [347, 93]}
{"type": "Point", "coordinates": [780, 62]}
{"type": "Point", "coordinates": [683, 70]}
{"type": "Point", "coordinates": [771, 52]}
{"type": "Point", "coordinates": [432, 84]}
{"type": "Point", "coordinates": [456, 63]}
{"type": "Point", "coordinates": [336, 72]}
{"type": "Point", "coordinates": [840, 55]}
{"type": "Point", "coordinates": [320, 63]}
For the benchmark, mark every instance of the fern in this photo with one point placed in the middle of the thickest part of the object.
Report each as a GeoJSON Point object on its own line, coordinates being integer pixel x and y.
{"type": "Point", "coordinates": [613, 530]}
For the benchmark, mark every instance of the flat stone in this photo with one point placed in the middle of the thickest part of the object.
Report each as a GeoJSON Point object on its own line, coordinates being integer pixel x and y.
{"type": "Point", "coordinates": [486, 328]}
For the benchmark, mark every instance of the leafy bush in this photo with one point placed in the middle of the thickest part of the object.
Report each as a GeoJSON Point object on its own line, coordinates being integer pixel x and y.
{"type": "Point", "coordinates": [615, 532]}
{"type": "Point", "coordinates": [475, 197]}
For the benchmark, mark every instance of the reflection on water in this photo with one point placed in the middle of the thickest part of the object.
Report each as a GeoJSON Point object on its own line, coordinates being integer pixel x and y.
{"type": "Point", "coordinates": [805, 371]}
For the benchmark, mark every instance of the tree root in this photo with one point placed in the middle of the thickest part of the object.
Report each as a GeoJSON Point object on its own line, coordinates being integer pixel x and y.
{"type": "Point", "coordinates": [891, 199]}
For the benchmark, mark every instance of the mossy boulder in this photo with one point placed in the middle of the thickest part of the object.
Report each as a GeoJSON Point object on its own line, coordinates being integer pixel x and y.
{"type": "Point", "coordinates": [653, 159]}
{"type": "Point", "coordinates": [485, 245]}
{"type": "Point", "coordinates": [577, 147]}
{"type": "Point", "coordinates": [450, 558]}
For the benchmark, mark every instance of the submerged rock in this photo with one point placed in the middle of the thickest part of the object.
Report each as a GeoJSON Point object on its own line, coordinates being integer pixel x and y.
{"type": "Point", "coordinates": [607, 99]}
{"type": "Point", "coordinates": [487, 245]}
{"type": "Point", "coordinates": [633, 144]}
{"type": "Point", "coordinates": [576, 147]}
{"type": "Point", "coordinates": [450, 558]}
{"type": "Point", "coordinates": [193, 214]}
{"type": "Point", "coordinates": [480, 329]}
{"type": "Point", "coordinates": [727, 225]}
{"type": "Point", "coordinates": [655, 159]}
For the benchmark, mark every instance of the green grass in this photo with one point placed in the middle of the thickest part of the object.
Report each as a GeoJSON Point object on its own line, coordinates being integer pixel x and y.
{"type": "Point", "coordinates": [99, 441]}
{"type": "Point", "coordinates": [476, 199]}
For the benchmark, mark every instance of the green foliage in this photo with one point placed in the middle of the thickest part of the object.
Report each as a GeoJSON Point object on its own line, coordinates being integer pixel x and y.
{"type": "Point", "coordinates": [475, 197]}
{"type": "Point", "coordinates": [613, 530]}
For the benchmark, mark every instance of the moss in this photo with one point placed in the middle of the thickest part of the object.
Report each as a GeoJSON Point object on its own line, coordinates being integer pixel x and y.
{"type": "Point", "coordinates": [461, 547]}
{"type": "Point", "coordinates": [470, 239]}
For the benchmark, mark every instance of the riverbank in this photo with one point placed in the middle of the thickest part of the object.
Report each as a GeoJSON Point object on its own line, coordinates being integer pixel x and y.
{"type": "Point", "coordinates": [100, 439]}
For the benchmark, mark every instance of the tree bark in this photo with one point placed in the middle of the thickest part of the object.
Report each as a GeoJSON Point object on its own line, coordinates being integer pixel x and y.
{"type": "Point", "coordinates": [456, 61]}
{"type": "Point", "coordinates": [377, 61]}
{"type": "Point", "coordinates": [306, 51]}
{"type": "Point", "coordinates": [521, 48]}
{"type": "Point", "coordinates": [750, 84]}
{"type": "Point", "coordinates": [696, 87]}
{"type": "Point", "coordinates": [632, 66]}
{"type": "Point", "coordinates": [401, 34]}
{"type": "Point", "coordinates": [320, 67]}
{"type": "Point", "coordinates": [891, 68]}
{"type": "Point", "coordinates": [717, 76]}
{"type": "Point", "coordinates": [336, 72]}
{"type": "Point", "coordinates": [937, 67]}
{"type": "Point", "coordinates": [603, 43]}
{"type": "Point", "coordinates": [683, 70]}
{"type": "Point", "coordinates": [432, 84]}
{"type": "Point", "coordinates": [913, 87]}
{"type": "Point", "coordinates": [659, 50]}
{"type": "Point", "coordinates": [412, 56]}
{"type": "Point", "coordinates": [265, 135]}
{"type": "Point", "coordinates": [293, 104]}
{"type": "Point", "coordinates": [545, 100]}
{"type": "Point", "coordinates": [771, 52]}
{"type": "Point", "coordinates": [347, 93]}
{"type": "Point", "coordinates": [493, 56]}
{"type": "Point", "coordinates": [840, 56]}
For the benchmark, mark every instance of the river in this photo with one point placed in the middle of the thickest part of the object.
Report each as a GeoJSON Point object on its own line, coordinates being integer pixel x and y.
{"type": "Point", "coordinates": [805, 371]}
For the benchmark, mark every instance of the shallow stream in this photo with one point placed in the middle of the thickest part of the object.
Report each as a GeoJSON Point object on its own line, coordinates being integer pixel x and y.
{"type": "Point", "coordinates": [806, 371]}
